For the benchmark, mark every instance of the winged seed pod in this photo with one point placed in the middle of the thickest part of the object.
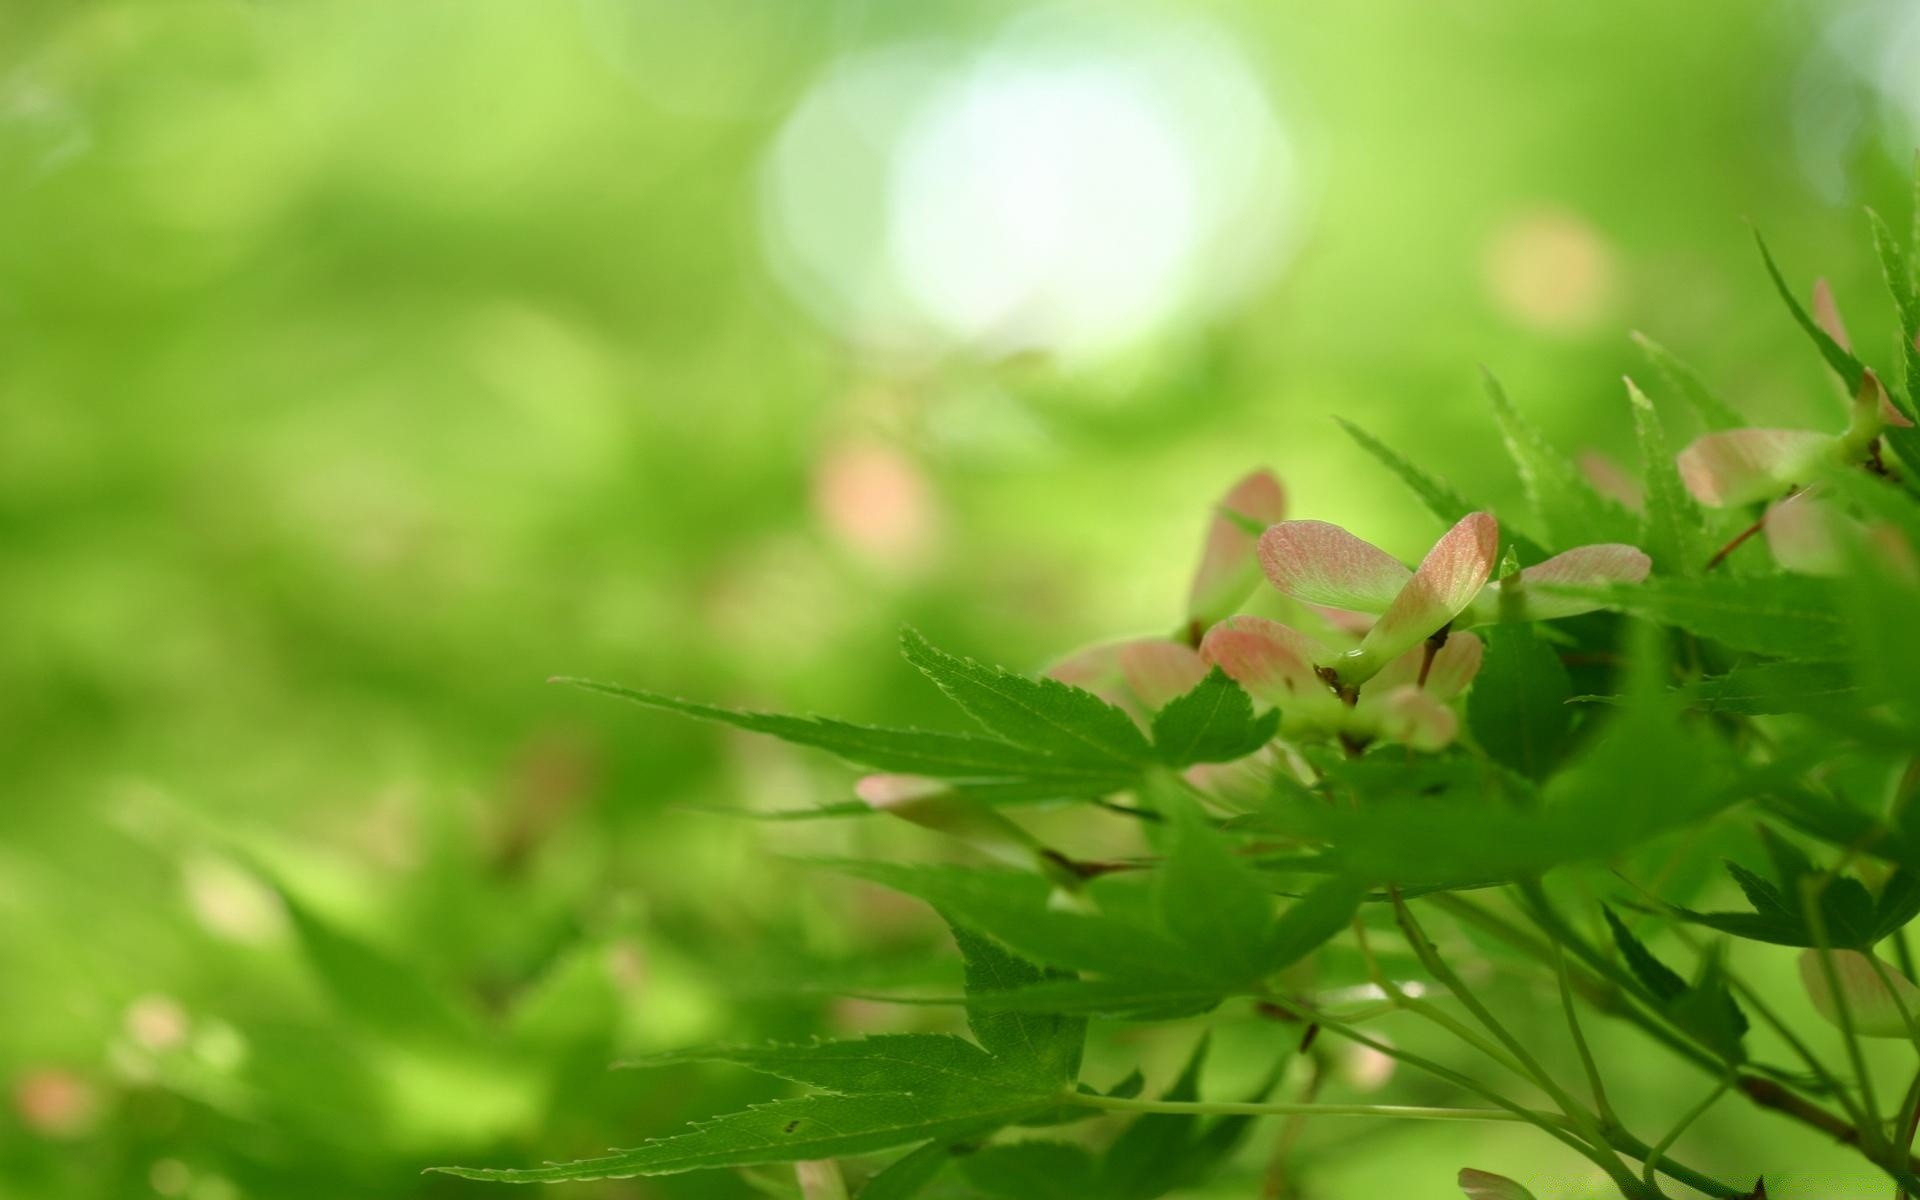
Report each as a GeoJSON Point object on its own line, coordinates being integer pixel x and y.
{"type": "Point", "coordinates": [1319, 563]}
{"type": "Point", "coordinates": [1875, 993]}
{"type": "Point", "coordinates": [1742, 466]}
{"type": "Point", "coordinates": [934, 805]}
{"type": "Point", "coordinates": [1228, 573]}
{"type": "Point", "coordinates": [1275, 664]}
{"type": "Point", "coordinates": [1143, 674]}
{"type": "Point", "coordinates": [1483, 1185]}
{"type": "Point", "coordinates": [1322, 564]}
{"type": "Point", "coordinates": [1139, 675]}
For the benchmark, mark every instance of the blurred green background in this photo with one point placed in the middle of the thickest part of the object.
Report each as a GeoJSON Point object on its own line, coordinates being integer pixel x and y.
{"type": "Point", "coordinates": [362, 365]}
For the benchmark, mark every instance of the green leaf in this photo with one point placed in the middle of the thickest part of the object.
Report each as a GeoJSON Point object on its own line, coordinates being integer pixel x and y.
{"type": "Point", "coordinates": [1211, 901]}
{"type": "Point", "coordinates": [377, 991]}
{"type": "Point", "coordinates": [1645, 774]}
{"type": "Point", "coordinates": [1567, 505]}
{"type": "Point", "coordinates": [1658, 978]}
{"type": "Point", "coordinates": [914, 751]}
{"type": "Point", "coordinates": [1132, 997]}
{"type": "Point", "coordinates": [907, 1176]}
{"type": "Point", "coordinates": [1212, 723]}
{"type": "Point", "coordinates": [1898, 903]}
{"type": "Point", "coordinates": [1844, 364]}
{"type": "Point", "coordinates": [880, 1092]}
{"type": "Point", "coordinates": [1847, 910]}
{"type": "Point", "coordinates": [1781, 616]}
{"type": "Point", "coordinates": [1440, 498]}
{"type": "Point", "coordinates": [1709, 1010]}
{"type": "Point", "coordinates": [1313, 920]}
{"type": "Point", "coordinates": [1517, 707]}
{"type": "Point", "coordinates": [1906, 303]}
{"type": "Point", "coordinates": [1042, 1048]}
{"type": "Point", "coordinates": [1757, 689]}
{"type": "Point", "coordinates": [795, 1130]}
{"type": "Point", "coordinates": [1031, 1171]}
{"type": "Point", "coordinates": [898, 1062]}
{"type": "Point", "coordinates": [1012, 907]}
{"type": "Point", "coordinates": [1714, 413]}
{"type": "Point", "coordinates": [1045, 715]}
{"type": "Point", "coordinates": [1673, 522]}
{"type": "Point", "coordinates": [1706, 1007]}
{"type": "Point", "coordinates": [1160, 1152]}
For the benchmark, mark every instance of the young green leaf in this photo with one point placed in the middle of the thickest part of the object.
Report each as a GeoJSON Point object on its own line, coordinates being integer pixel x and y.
{"type": "Point", "coordinates": [907, 1176]}
{"type": "Point", "coordinates": [1898, 904]}
{"type": "Point", "coordinates": [1706, 1007]}
{"type": "Point", "coordinates": [1517, 708]}
{"type": "Point", "coordinates": [877, 1092]}
{"type": "Point", "coordinates": [1044, 715]}
{"type": "Point", "coordinates": [1212, 723]}
{"type": "Point", "coordinates": [1673, 522]}
{"type": "Point", "coordinates": [898, 1062]}
{"type": "Point", "coordinates": [806, 1127]}
{"type": "Point", "coordinates": [1567, 505]}
{"type": "Point", "coordinates": [1042, 1048]}
{"type": "Point", "coordinates": [1713, 412]}
{"type": "Point", "coordinates": [1906, 302]}
{"type": "Point", "coordinates": [1031, 1171]}
{"type": "Point", "coordinates": [1847, 911]}
{"type": "Point", "coordinates": [1757, 689]}
{"type": "Point", "coordinates": [1838, 357]}
{"type": "Point", "coordinates": [913, 751]}
{"type": "Point", "coordinates": [1658, 978]}
{"type": "Point", "coordinates": [1440, 498]}
{"type": "Point", "coordinates": [1782, 616]}
{"type": "Point", "coordinates": [1209, 900]}
{"type": "Point", "coordinates": [1160, 1152]}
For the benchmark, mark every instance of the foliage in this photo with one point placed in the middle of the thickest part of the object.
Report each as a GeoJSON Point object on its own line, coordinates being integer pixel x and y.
{"type": "Point", "coordinates": [1306, 785]}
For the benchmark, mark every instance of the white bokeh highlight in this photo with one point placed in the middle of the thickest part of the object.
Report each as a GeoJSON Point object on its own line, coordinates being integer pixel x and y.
{"type": "Point", "coordinates": [1064, 188]}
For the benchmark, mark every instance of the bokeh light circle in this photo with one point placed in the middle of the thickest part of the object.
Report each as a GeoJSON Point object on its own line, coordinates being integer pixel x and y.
{"type": "Point", "coordinates": [1060, 188]}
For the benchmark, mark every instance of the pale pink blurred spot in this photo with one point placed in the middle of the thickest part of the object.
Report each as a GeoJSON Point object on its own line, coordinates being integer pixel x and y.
{"type": "Point", "coordinates": [231, 902]}
{"type": "Point", "coordinates": [56, 1103]}
{"type": "Point", "coordinates": [1365, 1068]}
{"type": "Point", "coordinates": [1894, 549]}
{"type": "Point", "coordinates": [1244, 782]}
{"type": "Point", "coordinates": [1411, 715]}
{"type": "Point", "coordinates": [820, 1180]}
{"type": "Point", "coordinates": [1226, 572]}
{"type": "Point", "coordinates": [1873, 1007]}
{"type": "Point", "coordinates": [1870, 383]}
{"type": "Point", "coordinates": [1447, 580]}
{"type": "Point", "coordinates": [626, 965]}
{"type": "Point", "coordinates": [890, 791]}
{"type": "Point", "coordinates": [1807, 535]}
{"type": "Point", "coordinates": [1484, 1185]}
{"type": "Point", "coordinates": [1114, 671]}
{"type": "Point", "coordinates": [1158, 671]}
{"type": "Point", "coordinates": [1320, 563]}
{"type": "Point", "coordinates": [877, 502]}
{"type": "Point", "coordinates": [1612, 480]}
{"type": "Point", "coordinates": [1093, 669]}
{"type": "Point", "coordinates": [1739, 466]}
{"type": "Point", "coordinates": [1826, 314]}
{"type": "Point", "coordinates": [1550, 270]}
{"type": "Point", "coordinates": [157, 1023]}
